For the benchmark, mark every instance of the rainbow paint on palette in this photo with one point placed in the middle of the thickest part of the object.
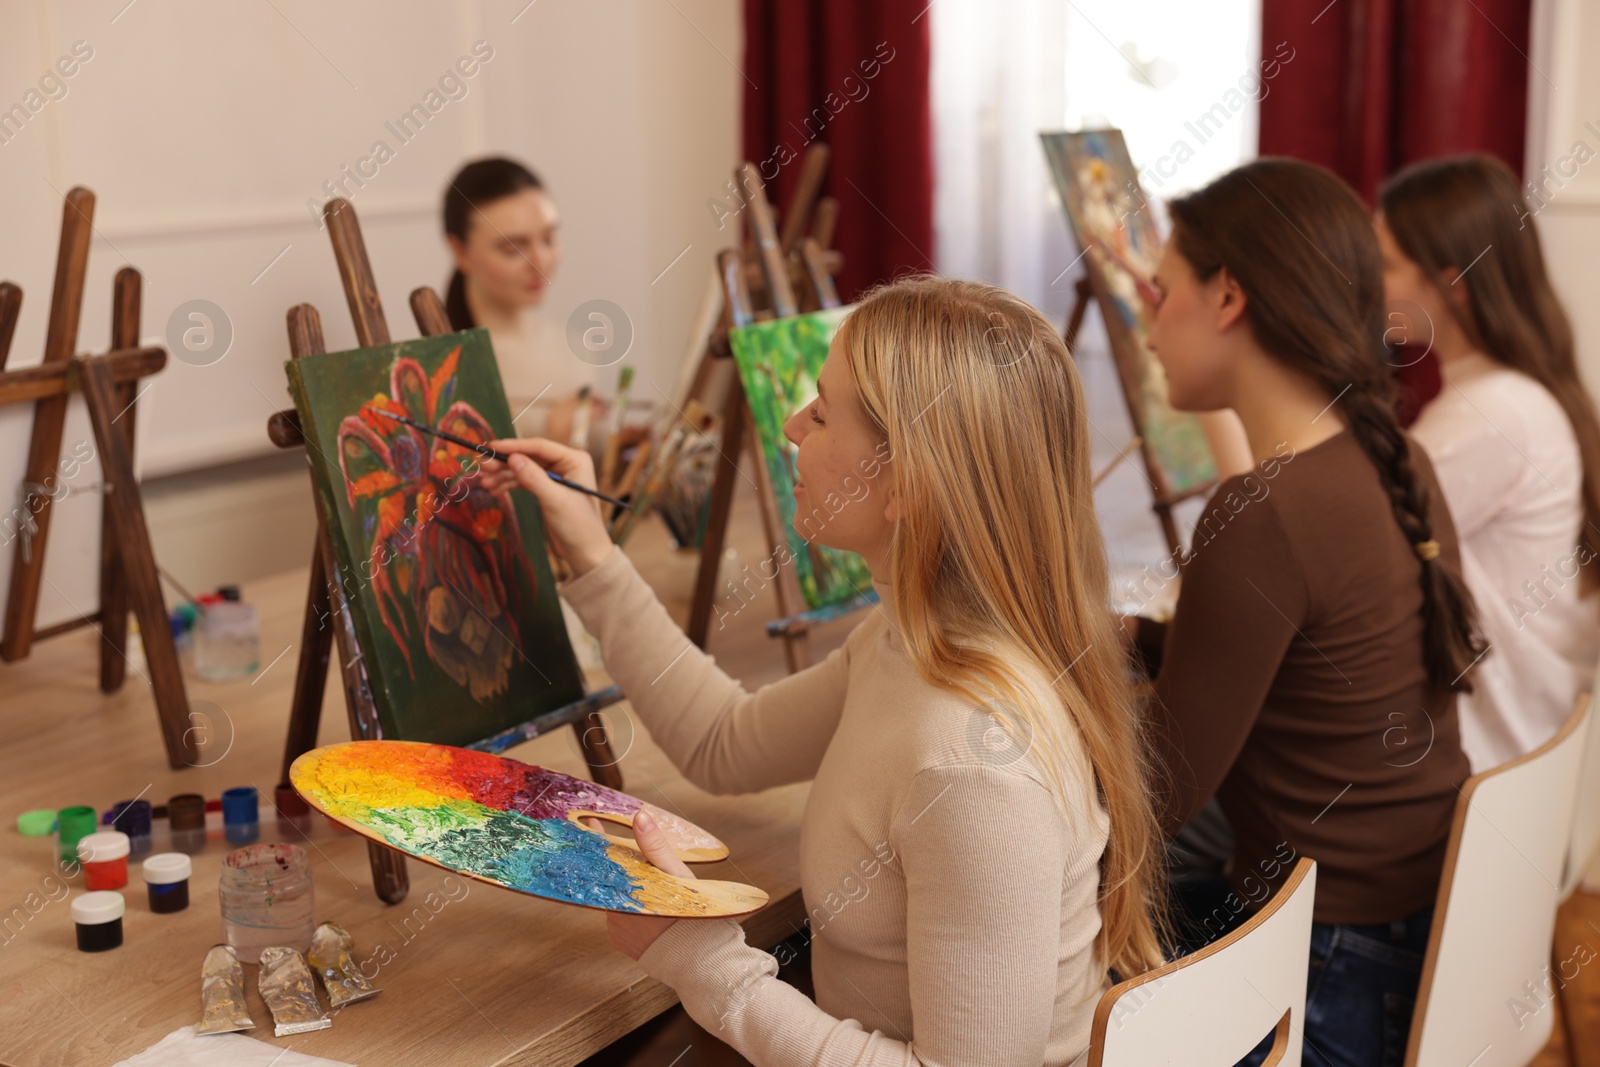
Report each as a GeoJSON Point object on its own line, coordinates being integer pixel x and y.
{"type": "Point", "coordinates": [514, 825]}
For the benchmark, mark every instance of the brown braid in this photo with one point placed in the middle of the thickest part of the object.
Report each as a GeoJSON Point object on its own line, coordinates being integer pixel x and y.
{"type": "Point", "coordinates": [1298, 242]}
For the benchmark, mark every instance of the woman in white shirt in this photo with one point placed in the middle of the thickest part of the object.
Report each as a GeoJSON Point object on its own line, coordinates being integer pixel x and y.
{"type": "Point", "coordinates": [502, 226]}
{"type": "Point", "coordinates": [1513, 436]}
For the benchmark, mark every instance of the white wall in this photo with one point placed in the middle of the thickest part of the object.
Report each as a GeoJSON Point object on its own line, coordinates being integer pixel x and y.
{"type": "Point", "coordinates": [204, 129]}
{"type": "Point", "coordinates": [1564, 136]}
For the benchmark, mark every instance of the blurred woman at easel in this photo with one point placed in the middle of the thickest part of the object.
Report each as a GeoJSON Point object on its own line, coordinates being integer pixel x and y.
{"type": "Point", "coordinates": [502, 226]}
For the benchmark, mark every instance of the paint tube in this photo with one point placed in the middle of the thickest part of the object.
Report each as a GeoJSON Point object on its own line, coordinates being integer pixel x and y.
{"type": "Point", "coordinates": [222, 1003]}
{"type": "Point", "coordinates": [291, 992]}
{"type": "Point", "coordinates": [330, 958]}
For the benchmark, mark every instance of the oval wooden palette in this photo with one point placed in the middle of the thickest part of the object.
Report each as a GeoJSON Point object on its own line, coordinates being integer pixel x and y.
{"type": "Point", "coordinates": [514, 825]}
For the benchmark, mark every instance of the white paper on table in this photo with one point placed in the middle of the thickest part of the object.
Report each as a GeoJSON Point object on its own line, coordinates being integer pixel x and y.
{"type": "Point", "coordinates": [185, 1048]}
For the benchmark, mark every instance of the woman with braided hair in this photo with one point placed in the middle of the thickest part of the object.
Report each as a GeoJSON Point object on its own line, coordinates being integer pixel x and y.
{"type": "Point", "coordinates": [1308, 678]}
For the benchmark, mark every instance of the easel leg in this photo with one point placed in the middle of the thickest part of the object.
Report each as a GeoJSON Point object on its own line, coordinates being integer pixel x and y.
{"type": "Point", "coordinates": [138, 564]}
{"type": "Point", "coordinates": [113, 592]}
{"type": "Point", "coordinates": [786, 589]}
{"type": "Point", "coordinates": [597, 752]}
{"type": "Point", "coordinates": [126, 294]}
{"type": "Point", "coordinates": [49, 420]}
{"type": "Point", "coordinates": [1080, 304]}
{"type": "Point", "coordinates": [311, 674]}
{"type": "Point", "coordinates": [1170, 527]}
{"type": "Point", "coordinates": [735, 412]}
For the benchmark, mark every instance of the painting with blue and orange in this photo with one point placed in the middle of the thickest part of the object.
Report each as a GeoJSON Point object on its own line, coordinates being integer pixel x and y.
{"type": "Point", "coordinates": [449, 585]}
{"type": "Point", "coordinates": [514, 825]}
{"type": "Point", "coordinates": [1115, 228]}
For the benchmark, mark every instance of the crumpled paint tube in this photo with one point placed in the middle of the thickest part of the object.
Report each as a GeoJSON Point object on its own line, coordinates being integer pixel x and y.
{"type": "Point", "coordinates": [290, 991]}
{"type": "Point", "coordinates": [222, 1003]}
{"type": "Point", "coordinates": [330, 958]}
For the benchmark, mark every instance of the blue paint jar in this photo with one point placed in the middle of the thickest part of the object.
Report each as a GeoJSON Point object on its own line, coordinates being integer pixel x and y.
{"type": "Point", "coordinates": [133, 818]}
{"type": "Point", "coordinates": [241, 815]}
{"type": "Point", "coordinates": [166, 877]}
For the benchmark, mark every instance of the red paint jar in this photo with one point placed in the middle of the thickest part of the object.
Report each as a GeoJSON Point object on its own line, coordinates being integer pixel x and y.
{"type": "Point", "coordinates": [104, 857]}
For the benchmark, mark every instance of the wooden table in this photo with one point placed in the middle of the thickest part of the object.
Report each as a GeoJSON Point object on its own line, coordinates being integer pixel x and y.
{"type": "Point", "coordinates": [478, 975]}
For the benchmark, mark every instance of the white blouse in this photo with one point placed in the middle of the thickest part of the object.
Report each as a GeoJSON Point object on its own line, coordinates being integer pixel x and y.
{"type": "Point", "coordinates": [1509, 464]}
{"type": "Point", "coordinates": [539, 371]}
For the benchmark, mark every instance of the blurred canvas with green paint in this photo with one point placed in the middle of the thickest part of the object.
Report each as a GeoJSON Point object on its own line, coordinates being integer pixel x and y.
{"type": "Point", "coordinates": [778, 363]}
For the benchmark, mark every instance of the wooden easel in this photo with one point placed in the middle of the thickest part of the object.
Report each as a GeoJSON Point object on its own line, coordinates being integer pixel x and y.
{"type": "Point", "coordinates": [110, 385]}
{"type": "Point", "coordinates": [780, 262]}
{"type": "Point", "coordinates": [325, 599]}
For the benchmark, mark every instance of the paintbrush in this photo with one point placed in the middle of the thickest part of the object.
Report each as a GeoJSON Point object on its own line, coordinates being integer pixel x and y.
{"type": "Point", "coordinates": [489, 453]}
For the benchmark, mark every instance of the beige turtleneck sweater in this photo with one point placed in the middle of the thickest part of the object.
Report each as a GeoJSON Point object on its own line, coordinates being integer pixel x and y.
{"type": "Point", "coordinates": [952, 900]}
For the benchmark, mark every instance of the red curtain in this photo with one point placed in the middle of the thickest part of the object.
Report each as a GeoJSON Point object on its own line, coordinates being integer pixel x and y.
{"type": "Point", "coordinates": [1377, 84]}
{"type": "Point", "coordinates": [853, 75]}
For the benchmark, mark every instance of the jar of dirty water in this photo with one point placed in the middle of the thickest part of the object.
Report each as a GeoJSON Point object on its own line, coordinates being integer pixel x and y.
{"type": "Point", "coordinates": [267, 899]}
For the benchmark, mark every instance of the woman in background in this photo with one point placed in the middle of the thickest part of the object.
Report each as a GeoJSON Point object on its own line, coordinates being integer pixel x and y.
{"type": "Point", "coordinates": [502, 227]}
{"type": "Point", "coordinates": [1513, 436]}
{"type": "Point", "coordinates": [1321, 618]}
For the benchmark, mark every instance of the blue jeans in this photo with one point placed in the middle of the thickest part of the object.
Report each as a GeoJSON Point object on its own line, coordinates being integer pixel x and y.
{"type": "Point", "coordinates": [1360, 993]}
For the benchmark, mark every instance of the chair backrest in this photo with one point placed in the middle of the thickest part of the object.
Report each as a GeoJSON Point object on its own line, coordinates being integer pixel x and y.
{"type": "Point", "coordinates": [1210, 1008]}
{"type": "Point", "coordinates": [1486, 985]}
{"type": "Point", "coordinates": [1585, 838]}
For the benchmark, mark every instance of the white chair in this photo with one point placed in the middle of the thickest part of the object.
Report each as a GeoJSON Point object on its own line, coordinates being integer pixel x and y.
{"type": "Point", "coordinates": [1210, 1008]}
{"type": "Point", "coordinates": [1496, 911]}
{"type": "Point", "coordinates": [1585, 838]}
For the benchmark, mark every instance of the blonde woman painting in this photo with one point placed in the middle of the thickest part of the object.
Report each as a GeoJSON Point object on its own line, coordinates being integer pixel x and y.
{"type": "Point", "coordinates": [973, 741]}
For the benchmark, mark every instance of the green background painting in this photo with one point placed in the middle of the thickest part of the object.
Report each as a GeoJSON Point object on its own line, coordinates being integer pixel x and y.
{"type": "Point", "coordinates": [779, 362]}
{"type": "Point", "coordinates": [457, 616]}
{"type": "Point", "coordinates": [1116, 229]}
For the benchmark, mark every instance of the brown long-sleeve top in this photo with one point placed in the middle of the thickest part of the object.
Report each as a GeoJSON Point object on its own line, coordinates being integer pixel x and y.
{"type": "Point", "coordinates": [1292, 686]}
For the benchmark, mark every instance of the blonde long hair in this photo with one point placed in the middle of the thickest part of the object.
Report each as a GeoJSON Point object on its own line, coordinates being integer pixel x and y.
{"type": "Point", "coordinates": [997, 563]}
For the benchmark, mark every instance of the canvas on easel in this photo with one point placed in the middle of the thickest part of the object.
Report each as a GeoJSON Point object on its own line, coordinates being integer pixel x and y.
{"type": "Point", "coordinates": [774, 278]}
{"type": "Point", "coordinates": [329, 618]}
{"type": "Point", "coordinates": [1121, 246]}
{"type": "Point", "coordinates": [779, 361]}
{"type": "Point", "coordinates": [449, 586]}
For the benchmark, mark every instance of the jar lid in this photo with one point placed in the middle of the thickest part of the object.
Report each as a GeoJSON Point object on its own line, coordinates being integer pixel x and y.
{"type": "Point", "coordinates": [36, 823]}
{"type": "Point", "coordinates": [103, 846]}
{"type": "Point", "coordinates": [92, 909]}
{"type": "Point", "coordinates": [164, 868]}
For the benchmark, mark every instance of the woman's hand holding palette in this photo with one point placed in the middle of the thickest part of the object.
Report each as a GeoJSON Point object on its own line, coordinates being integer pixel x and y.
{"type": "Point", "coordinates": [514, 825]}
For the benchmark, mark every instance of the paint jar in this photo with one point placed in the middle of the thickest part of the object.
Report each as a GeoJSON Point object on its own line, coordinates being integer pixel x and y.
{"type": "Point", "coordinates": [294, 814]}
{"type": "Point", "coordinates": [41, 822]}
{"type": "Point", "coordinates": [186, 814]}
{"type": "Point", "coordinates": [267, 899]}
{"type": "Point", "coordinates": [132, 817]}
{"type": "Point", "coordinates": [241, 815]}
{"type": "Point", "coordinates": [166, 877]}
{"type": "Point", "coordinates": [98, 917]}
{"type": "Point", "coordinates": [227, 643]}
{"type": "Point", "coordinates": [73, 825]}
{"type": "Point", "coordinates": [105, 860]}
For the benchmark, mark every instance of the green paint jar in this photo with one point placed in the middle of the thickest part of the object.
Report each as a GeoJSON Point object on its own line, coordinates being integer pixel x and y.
{"type": "Point", "coordinates": [73, 825]}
